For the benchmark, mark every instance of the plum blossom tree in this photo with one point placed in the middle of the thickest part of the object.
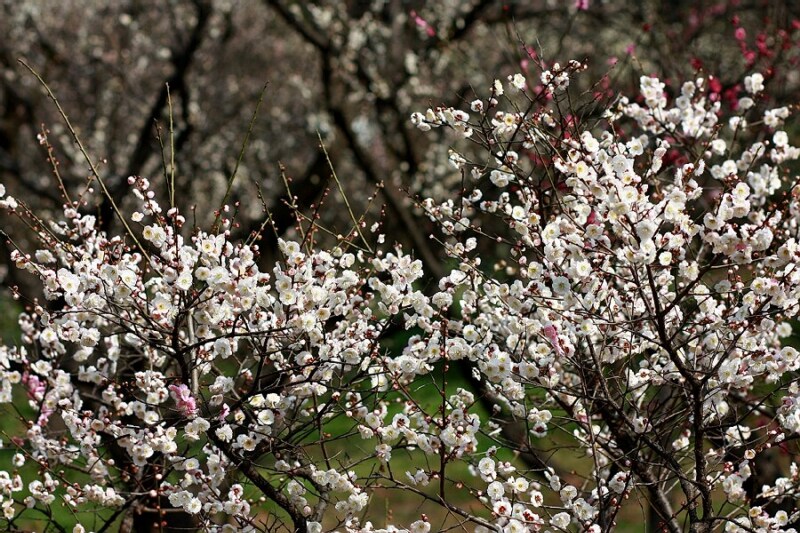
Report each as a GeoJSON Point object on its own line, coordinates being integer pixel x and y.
{"type": "Point", "coordinates": [648, 292]}
{"type": "Point", "coordinates": [634, 325]}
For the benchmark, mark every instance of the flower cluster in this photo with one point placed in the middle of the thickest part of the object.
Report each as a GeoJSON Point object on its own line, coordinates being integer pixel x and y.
{"type": "Point", "coordinates": [651, 277]}
{"type": "Point", "coordinates": [635, 319]}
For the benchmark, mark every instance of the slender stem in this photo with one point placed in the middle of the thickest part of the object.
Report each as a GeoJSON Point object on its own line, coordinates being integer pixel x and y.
{"type": "Point", "coordinates": [356, 222]}
{"type": "Point", "coordinates": [171, 151]}
{"type": "Point", "coordinates": [86, 157]}
{"type": "Point", "coordinates": [239, 159]}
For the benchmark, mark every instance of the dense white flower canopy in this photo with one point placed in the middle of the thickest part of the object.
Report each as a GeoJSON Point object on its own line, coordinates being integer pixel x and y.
{"type": "Point", "coordinates": [648, 276]}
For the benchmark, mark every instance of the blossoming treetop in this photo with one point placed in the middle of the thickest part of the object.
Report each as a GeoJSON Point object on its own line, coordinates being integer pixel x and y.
{"type": "Point", "coordinates": [635, 319]}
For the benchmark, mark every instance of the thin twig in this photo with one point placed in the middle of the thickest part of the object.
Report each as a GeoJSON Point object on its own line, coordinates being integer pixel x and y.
{"type": "Point", "coordinates": [86, 157]}
{"type": "Point", "coordinates": [356, 221]}
{"type": "Point", "coordinates": [171, 184]}
{"type": "Point", "coordinates": [239, 160]}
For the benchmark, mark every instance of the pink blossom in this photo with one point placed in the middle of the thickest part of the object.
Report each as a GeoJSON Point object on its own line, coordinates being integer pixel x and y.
{"type": "Point", "coordinates": [36, 389]}
{"type": "Point", "coordinates": [422, 23]}
{"type": "Point", "coordinates": [552, 335]}
{"type": "Point", "coordinates": [186, 403]}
